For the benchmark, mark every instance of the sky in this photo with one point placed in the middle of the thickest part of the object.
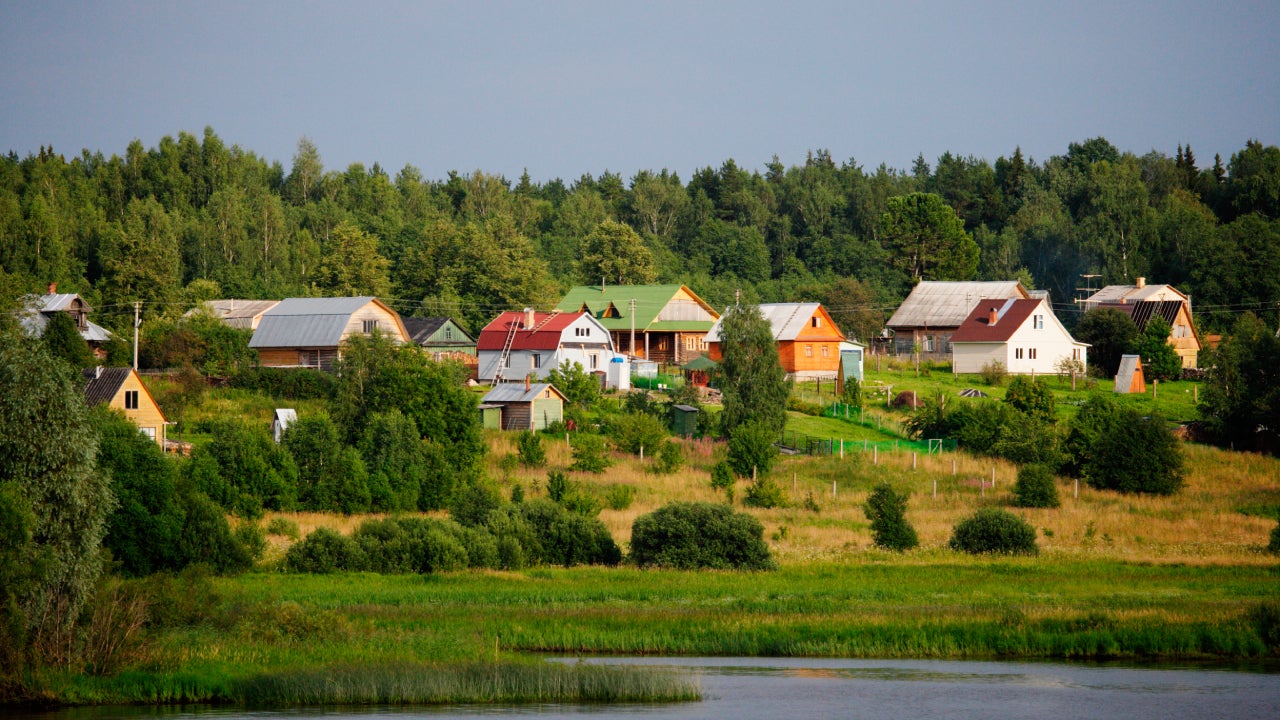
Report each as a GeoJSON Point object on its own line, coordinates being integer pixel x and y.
{"type": "Point", "coordinates": [565, 88]}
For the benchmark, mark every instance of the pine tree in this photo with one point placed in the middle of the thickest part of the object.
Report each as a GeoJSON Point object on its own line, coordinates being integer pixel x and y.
{"type": "Point", "coordinates": [753, 384]}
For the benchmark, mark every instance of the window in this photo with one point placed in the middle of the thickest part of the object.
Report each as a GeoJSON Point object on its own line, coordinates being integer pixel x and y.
{"type": "Point", "coordinates": [130, 399]}
{"type": "Point", "coordinates": [1075, 354]}
{"type": "Point", "coordinates": [1037, 322]}
{"type": "Point", "coordinates": [150, 432]}
{"type": "Point", "coordinates": [928, 343]}
{"type": "Point", "coordinates": [595, 361]}
{"type": "Point", "coordinates": [826, 351]}
{"type": "Point", "coordinates": [369, 325]}
{"type": "Point", "coordinates": [309, 358]}
{"type": "Point", "coordinates": [1017, 354]}
{"type": "Point", "coordinates": [507, 364]}
{"type": "Point", "coordinates": [537, 361]}
{"type": "Point", "coordinates": [1031, 353]}
{"type": "Point", "coordinates": [448, 332]}
{"type": "Point", "coordinates": [582, 332]}
{"type": "Point", "coordinates": [808, 351]}
{"type": "Point", "coordinates": [815, 321]}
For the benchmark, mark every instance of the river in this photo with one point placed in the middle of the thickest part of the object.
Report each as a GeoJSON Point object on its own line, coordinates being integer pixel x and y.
{"type": "Point", "coordinates": [804, 688]}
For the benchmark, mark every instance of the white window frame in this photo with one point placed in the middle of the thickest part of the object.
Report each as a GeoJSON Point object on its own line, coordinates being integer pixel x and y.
{"type": "Point", "coordinates": [368, 326]}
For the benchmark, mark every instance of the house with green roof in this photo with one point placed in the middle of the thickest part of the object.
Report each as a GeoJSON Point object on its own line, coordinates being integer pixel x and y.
{"type": "Point", "coordinates": [662, 323]}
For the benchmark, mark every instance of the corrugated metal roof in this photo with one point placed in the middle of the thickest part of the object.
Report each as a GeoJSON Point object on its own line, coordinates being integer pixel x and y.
{"type": "Point", "coordinates": [319, 306]}
{"type": "Point", "coordinates": [940, 304]}
{"type": "Point", "coordinates": [1133, 293]}
{"type": "Point", "coordinates": [102, 384]}
{"type": "Point", "coordinates": [234, 309]}
{"type": "Point", "coordinates": [786, 320]}
{"type": "Point", "coordinates": [300, 331]}
{"type": "Point", "coordinates": [650, 300]}
{"type": "Point", "coordinates": [516, 392]}
{"type": "Point", "coordinates": [60, 301]}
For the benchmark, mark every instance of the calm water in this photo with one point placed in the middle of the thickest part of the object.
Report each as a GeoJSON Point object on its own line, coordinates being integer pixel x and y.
{"type": "Point", "coordinates": [746, 688]}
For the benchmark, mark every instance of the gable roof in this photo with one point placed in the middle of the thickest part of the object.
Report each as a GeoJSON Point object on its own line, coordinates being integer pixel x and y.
{"type": "Point", "coordinates": [1142, 312]}
{"type": "Point", "coordinates": [39, 308]}
{"type": "Point", "coordinates": [1010, 315]}
{"type": "Point", "coordinates": [941, 304]}
{"type": "Point", "coordinates": [1131, 293]}
{"type": "Point", "coordinates": [234, 312]}
{"type": "Point", "coordinates": [310, 322]}
{"type": "Point", "coordinates": [543, 334]}
{"type": "Point", "coordinates": [53, 302]}
{"type": "Point", "coordinates": [103, 383]}
{"type": "Point", "coordinates": [516, 392]}
{"type": "Point", "coordinates": [650, 302]}
{"type": "Point", "coordinates": [421, 329]}
{"type": "Point", "coordinates": [786, 320]}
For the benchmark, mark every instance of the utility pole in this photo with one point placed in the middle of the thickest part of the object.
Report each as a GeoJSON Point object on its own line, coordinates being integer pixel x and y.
{"type": "Point", "coordinates": [632, 346]}
{"type": "Point", "coordinates": [137, 323]}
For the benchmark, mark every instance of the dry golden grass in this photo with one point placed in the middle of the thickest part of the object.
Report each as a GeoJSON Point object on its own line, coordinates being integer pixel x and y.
{"type": "Point", "coordinates": [1202, 524]}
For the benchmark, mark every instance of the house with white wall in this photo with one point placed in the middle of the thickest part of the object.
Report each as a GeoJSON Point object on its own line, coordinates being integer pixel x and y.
{"type": "Point", "coordinates": [524, 344]}
{"type": "Point", "coordinates": [1022, 334]}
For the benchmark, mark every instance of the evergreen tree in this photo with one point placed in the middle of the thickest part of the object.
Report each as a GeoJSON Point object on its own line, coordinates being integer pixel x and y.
{"type": "Point", "coordinates": [1159, 360]}
{"type": "Point", "coordinates": [886, 509]}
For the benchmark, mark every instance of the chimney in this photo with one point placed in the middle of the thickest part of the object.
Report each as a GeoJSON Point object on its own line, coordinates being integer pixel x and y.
{"type": "Point", "coordinates": [528, 384]}
{"type": "Point", "coordinates": [97, 372]}
{"type": "Point", "coordinates": [1142, 282]}
{"type": "Point", "coordinates": [992, 316]}
{"type": "Point", "coordinates": [528, 318]}
{"type": "Point", "coordinates": [53, 288]}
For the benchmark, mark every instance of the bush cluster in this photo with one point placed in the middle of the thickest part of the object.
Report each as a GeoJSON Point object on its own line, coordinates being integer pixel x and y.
{"type": "Point", "coordinates": [1035, 488]}
{"type": "Point", "coordinates": [887, 511]}
{"type": "Point", "coordinates": [699, 535]}
{"type": "Point", "coordinates": [992, 530]}
{"type": "Point", "coordinates": [287, 383]}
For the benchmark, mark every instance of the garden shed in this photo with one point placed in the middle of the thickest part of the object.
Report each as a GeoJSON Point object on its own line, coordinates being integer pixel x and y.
{"type": "Point", "coordinates": [528, 406]}
{"type": "Point", "coordinates": [490, 416]}
{"type": "Point", "coordinates": [684, 420]}
{"type": "Point", "coordinates": [1130, 378]}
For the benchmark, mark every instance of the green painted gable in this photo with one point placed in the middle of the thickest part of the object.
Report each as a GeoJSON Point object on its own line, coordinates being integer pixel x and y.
{"type": "Point", "coordinates": [612, 307]}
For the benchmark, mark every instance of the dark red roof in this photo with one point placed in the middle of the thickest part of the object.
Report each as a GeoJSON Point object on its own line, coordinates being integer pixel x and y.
{"type": "Point", "coordinates": [1010, 315]}
{"type": "Point", "coordinates": [544, 335]}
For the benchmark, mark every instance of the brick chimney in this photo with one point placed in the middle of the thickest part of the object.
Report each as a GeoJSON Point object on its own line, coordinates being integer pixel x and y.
{"type": "Point", "coordinates": [528, 384]}
{"type": "Point", "coordinates": [528, 318]}
{"type": "Point", "coordinates": [1142, 282]}
{"type": "Point", "coordinates": [992, 316]}
{"type": "Point", "coordinates": [53, 288]}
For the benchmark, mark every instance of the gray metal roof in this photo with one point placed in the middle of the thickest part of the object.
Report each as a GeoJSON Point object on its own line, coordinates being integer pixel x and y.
{"type": "Point", "coordinates": [786, 320]}
{"type": "Point", "coordinates": [235, 313]}
{"type": "Point", "coordinates": [34, 323]}
{"type": "Point", "coordinates": [940, 304]}
{"type": "Point", "coordinates": [306, 322]}
{"type": "Point", "coordinates": [516, 392]}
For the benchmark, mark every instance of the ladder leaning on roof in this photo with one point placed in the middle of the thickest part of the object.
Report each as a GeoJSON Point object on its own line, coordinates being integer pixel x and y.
{"type": "Point", "coordinates": [505, 355]}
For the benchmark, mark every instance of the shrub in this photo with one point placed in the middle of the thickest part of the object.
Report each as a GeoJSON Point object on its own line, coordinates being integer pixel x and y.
{"type": "Point", "coordinates": [670, 457]}
{"type": "Point", "coordinates": [994, 373]}
{"type": "Point", "coordinates": [283, 527]}
{"type": "Point", "coordinates": [803, 406]}
{"type": "Point", "coordinates": [765, 493]}
{"type": "Point", "coordinates": [589, 454]}
{"type": "Point", "coordinates": [206, 536]}
{"type": "Point", "coordinates": [722, 478]}
{"type": "Point", "coordinates": [557, 536]}
{"type": "Point", "coordinates": [1114, 448]}
{"type": "Point", "coordinates": [288, 383]}
{"type": "Point", "coordinates": [699, 535]}
{"type": "Point", "coordinates": [992, 530]}
{"type": "Point", "coordinates": [751, 449]}
{"type": "Point", "coordinates": [579, 386]}
{"type": "Point", "coordinates": [529, 445]}
{"type": "Point", "coordinates": [620, 497]}
{"type": "Point", "coordinates": [886, 509]}
{"type": "Point", "coordinates": [1032, 397]}
{"type": "Point", "coordinates": [1274, 546]}
{"type": "Point", "coordinates": [852, 393]}
{"type": "Point", "coordinates": [324, 551]}
{"type": "Point", "coordinates": [634, 431]}
{"type": "Point", "coordinates": [252, 539]}
{"type": "Point", "coordinates": [557, 486]}
{"type": "Point", "coordinates": [472, 504]}
{"type": "Point", "coordinates": [1035, 487]}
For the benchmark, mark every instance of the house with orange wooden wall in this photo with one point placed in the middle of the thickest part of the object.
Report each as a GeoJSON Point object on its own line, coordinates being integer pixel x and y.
{"type": "Point", "coordinates": [807, 338]}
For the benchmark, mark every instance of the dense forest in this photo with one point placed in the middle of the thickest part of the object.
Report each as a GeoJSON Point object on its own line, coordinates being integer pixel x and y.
{"type": "Point", "coordinates": [193, 219]}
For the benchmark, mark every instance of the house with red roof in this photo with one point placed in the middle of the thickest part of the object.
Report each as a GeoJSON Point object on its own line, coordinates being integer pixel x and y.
{"type": "Point", "coordinates": [1022, 334]}
{"type": "Point", "coordinates": [517, 345]}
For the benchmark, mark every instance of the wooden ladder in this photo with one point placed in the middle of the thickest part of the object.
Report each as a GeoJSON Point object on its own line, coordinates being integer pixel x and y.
{"type": "Point", "coordinates": [512, 328]}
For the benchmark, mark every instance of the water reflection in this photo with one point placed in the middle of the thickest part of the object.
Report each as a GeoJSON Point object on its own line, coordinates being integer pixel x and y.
{"type": "Point", "coordinates": [747, 688]}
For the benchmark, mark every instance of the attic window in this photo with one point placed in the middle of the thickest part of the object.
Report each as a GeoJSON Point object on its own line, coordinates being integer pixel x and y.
{"type": "Point", "coordinates": [1037, 322]}
{"type": "Point", "coordinates": [815, 321]}
{"type": "Point", "coordinates": [130, 399]}
{"type": "Point", "coordinates": [611, 312]}
{"type": "Point", "coordinates": [369, 325]}
{"type": "Point", "coordinates": [448, 333]}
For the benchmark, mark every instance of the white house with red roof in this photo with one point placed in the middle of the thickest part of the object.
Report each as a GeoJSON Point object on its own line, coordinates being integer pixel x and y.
{"type": "Point", "coordinates": [1023, 334]}
{"type": "Point", "coordinates": [517, 345]}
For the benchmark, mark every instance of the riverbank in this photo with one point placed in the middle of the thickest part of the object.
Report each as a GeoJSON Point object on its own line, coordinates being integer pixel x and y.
{"type": "Point", "coordinates": [932, 605]}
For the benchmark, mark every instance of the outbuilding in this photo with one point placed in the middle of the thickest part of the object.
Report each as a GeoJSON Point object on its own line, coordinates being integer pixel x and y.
{"type": "Point", "coordinates": [528, 406]}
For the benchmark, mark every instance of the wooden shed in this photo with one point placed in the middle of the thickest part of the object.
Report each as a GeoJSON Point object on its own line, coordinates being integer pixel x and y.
{"type": "Point", "coordinates": [528, 406]}
{"type": "Point", "coordinates": [684, 420]}
{"type": "Point", "coordinates": [490, 416]}
{"type": "Point", "coordinates": [1130, 378]}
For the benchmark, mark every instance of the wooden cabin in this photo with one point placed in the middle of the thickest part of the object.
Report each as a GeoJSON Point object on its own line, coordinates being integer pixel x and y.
{"type": "Point", "coordinates": [663, 323]}
{"type": "Point", "coordinates": [309, 332]}
{"type": "Point", "coordinates": [527, 406]}
{"type": "Point", "coordinates": [122, 389]}
{"type": "Point", "coordinates": [807, 338]}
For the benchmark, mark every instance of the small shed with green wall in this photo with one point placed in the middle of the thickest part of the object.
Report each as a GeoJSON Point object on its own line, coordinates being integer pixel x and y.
{"type": "Point", "coordinates": [527, 406]}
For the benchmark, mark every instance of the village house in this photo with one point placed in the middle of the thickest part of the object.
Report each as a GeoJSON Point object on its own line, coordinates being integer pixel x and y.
{"type": "Point", "coordinates": [1142, 302]}
{"type": "Point", "coordinates": [1022, 334]}
{"type": "Point", "coordinates": [308, 332]}
{"type": "Point", "coordinates": [662, 323]}
{"type": "Point", "coordinates": [43, 307]}
{"type": "Point", "coordinates": [925, 321]}
{"type": "Point", "coordinates": [443, 338]}
{"type": "Point", "coordinates": [244, 314]}
{"type": "Point", "coordinates": [122, 389]}
{"type": "Point", "coordinates": [808, 340]}
{"type": "Point", "coordinates": [531, 406]}
{"type": "Point", "coordinates": [524, 344]}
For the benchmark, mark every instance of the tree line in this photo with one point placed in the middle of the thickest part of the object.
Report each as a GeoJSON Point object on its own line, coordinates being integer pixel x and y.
{"type": "Point", "coordinates": [192, 219]}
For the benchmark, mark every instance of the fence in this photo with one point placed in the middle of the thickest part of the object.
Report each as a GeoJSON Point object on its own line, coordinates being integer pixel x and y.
{"type": "Point", "coordinates": [801, 443]}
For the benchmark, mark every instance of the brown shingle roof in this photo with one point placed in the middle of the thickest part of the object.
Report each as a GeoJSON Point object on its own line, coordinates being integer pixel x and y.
{"type": "Point", "coordinates": [1010, 315]}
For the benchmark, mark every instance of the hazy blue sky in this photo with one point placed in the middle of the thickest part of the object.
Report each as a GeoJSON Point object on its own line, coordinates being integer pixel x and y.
{"type": "Point", "coordinates": [564, 88]}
